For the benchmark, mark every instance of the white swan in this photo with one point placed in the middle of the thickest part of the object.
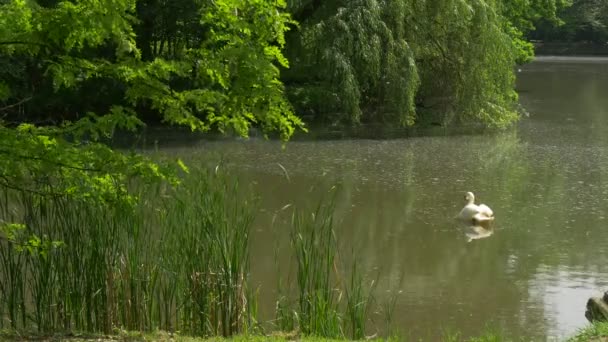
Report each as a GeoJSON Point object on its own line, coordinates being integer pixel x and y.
{"type": "Point", "coordinates": [475, 214]}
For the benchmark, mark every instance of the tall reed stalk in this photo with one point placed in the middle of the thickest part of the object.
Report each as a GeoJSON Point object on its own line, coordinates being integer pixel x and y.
{"type": "Point", "coordinates": [358, 301]}
{"type": "Point", "coordinates": [315, 248]}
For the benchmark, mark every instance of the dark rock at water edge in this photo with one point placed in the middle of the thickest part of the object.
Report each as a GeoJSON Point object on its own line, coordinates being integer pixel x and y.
{"type": "Point", "coordinates": [597, 308]}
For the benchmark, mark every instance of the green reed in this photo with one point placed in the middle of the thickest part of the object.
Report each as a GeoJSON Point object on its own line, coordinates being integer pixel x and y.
{"type": "Point", "coordinates": [178, 260]}
{"type": "Point", "coordinates": [315, 247]}
{"type": "Point", "coordinates": [358, 302]}
{"type": "Point", "coordinates": [208, 224]}
{"type": "Point", "coordinates": [319, 309]}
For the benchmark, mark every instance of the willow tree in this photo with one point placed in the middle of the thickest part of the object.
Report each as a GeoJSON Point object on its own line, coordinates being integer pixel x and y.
{"type": "Point", "coordinates": [403, 61]}
{"type": "Point", "coordinates": [349, 59]}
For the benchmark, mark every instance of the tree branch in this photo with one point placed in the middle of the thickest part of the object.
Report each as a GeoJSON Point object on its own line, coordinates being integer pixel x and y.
{"type": "Point", "coordinates": [15, 104]}
{"type": "Point", "coordinates": [5, 182]}
{"type": "Point", "coordinates": [17, 42]}
{"type": "Point", "coordinates": [73, 167]}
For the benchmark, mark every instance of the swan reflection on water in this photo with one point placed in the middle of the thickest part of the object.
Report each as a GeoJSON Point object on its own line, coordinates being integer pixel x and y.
{"type": "Point", "coordinates": [477, 232]}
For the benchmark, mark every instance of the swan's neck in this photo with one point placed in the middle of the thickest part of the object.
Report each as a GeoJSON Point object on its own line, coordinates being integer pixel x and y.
{"type": "Point", "coordinates": [471, 200]}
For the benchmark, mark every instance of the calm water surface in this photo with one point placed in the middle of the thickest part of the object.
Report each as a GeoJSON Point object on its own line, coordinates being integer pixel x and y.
{"type": "Point", "coordinates": [547, 182]}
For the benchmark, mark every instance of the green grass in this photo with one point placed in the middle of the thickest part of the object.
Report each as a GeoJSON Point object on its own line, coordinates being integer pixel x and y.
{"type": "Point", "coordinates": [597, 331]}
{"type": "Point", "coordinates": [162, 336]}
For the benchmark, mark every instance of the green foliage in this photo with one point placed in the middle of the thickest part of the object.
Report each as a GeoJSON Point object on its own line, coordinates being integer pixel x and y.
{"type": "Point", "coordinates": [40, 160]}
{"type": "Point", "coordinates": [54, 56]}
{"type": "Point", "coordinates": [523, 16]}
{"type": "Point", "coordinates": [402, 62]}
{"type": "Point", "coordinates": [366, 62]}
{"type": "Point", "coordinates": [34, 245]}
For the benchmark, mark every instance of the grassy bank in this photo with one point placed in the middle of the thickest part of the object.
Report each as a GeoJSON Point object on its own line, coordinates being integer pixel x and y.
{"type": "Point", "coordinates": [597, 331]}
{"type": "Point", "coordinates": [166, 337]}
{"type": "Point", "coordinates": [570, 49]}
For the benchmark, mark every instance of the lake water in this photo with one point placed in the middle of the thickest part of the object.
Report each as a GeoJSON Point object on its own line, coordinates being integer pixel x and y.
{"type": "Point", "coordinates": [546, 180]}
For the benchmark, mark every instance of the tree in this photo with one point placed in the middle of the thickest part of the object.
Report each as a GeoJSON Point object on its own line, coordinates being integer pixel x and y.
{"type": "Point", "coordinates": [402, 62]}
{"type": "Point", "coordinates": [523, 16]}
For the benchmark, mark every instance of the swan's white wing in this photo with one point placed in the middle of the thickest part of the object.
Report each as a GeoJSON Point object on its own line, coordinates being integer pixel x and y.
{"type": "Point", "coordinates": [485, 210]}
{"type": "Point", "coordinates": [482, 218]}
{"type": "Point", "coordinates": [468, 212]}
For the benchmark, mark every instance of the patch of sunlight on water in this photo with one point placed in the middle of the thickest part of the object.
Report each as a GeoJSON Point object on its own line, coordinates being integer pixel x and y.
{"type": "Point", "coordinates": [563, 291]}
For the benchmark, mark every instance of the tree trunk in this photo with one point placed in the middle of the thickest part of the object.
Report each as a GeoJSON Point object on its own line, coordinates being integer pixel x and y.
{"type": "Point", "coordinates": [145, 29]}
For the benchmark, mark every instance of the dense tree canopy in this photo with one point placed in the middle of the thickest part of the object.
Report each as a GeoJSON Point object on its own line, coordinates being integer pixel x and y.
{"type": "Point", "coordinates": [200, 64]}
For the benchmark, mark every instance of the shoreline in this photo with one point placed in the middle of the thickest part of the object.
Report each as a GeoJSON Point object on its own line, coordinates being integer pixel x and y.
{"type": "Point", "coordinates": [571, 49]}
